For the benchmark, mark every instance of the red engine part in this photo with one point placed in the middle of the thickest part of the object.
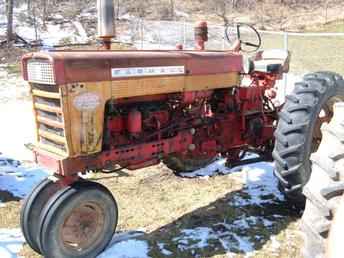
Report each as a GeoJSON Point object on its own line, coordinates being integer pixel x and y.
{"type": "Point", "coordinates": [156, 120]}
{"type": "Point", "coordinates": [115, 124]}
{"type": "Point", "coordinates": [190, 97]}
{"type": "Point", "coordinates": [134, 122]}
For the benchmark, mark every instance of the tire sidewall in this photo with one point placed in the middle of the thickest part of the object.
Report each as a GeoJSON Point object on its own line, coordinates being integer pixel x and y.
{"type": "Point", "coordinates": [31, 210]}
{"type": "Point", "coordinates": [61, 208]}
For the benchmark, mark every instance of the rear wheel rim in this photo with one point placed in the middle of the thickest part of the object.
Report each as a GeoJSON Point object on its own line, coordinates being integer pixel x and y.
{"type": "Point", "coordinates": [325, 116]}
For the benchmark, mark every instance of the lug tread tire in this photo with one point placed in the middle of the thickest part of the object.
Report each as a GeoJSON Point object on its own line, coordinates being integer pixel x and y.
{"type": "Point", "coordinates": [324, 190]}
{"type": "Point", "coordinates": [295, 127]}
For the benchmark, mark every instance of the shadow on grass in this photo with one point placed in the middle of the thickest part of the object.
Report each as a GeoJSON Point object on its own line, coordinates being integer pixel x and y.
{"type": "Point", "coordinates": [222, 227]}
{"type": "Point", "coordinates": [240, 222]}
{"type": "Point", "coordinates": [6, 196]}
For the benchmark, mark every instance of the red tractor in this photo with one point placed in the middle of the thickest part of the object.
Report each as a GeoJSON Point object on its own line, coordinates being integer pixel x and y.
{"type": "Point", "coordinates": [103, 109]}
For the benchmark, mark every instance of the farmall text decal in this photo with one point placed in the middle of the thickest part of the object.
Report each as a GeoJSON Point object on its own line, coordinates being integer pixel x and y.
{"type": "Point", "coordinates": [147, 71]}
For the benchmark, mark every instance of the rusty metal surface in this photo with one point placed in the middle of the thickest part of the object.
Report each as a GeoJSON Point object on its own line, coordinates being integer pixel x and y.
{"type": "Point", "coordinates": [82, 66]}
{"type": "Point", "coordinates": [83, 226]}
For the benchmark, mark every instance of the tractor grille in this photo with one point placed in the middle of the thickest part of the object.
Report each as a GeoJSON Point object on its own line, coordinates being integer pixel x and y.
{"type": "Point", "coordinates": [40, 71]}
{"type": "Point", "coordinates": [49, 117]}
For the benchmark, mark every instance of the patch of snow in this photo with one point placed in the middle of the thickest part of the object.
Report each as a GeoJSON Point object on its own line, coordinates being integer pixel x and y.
{"type": "Point", "coordinates": [56, 33]}
{"type": "Point", "coordinates": [215, 168]}
{"type": "Point", "coordinates": [241, 223]}
{"type": "Point", "coordinates": [260, 188]}
{"type": "Point", "coordinates": [53, 34]}
{"type": "Point", "coordinates": [20, 9]}
{"type": "Point", "coordinates": [267, 223]}
{"type": "Point", "coordinates": [131, 248]}
{"type": "Point", "coordinates": [81, 31]}
{"type": "Point", "coordinates": [163, 250]}
{"type": "Point", "coordinates": [181, 14]}
{"type": "Point", "coordinates": [21, 180]}
{"type": "Point", "coordinates": [123, 236]}
{"type": "Point", "coordinates": [58, 16]}
{"type": "Point", "coordinates": [260, 182]}
{"type": "Point", "coordinates": [16, 113]}
{"type": "Point", "coordinates": [3, 19]}
{"type": "Point", "coordinates": [8, 165]}
{"type": "Point", "coordinates": [244, 243]}
{"type": "Point", "coordinates": [126, 17]}
{"type": "Point", "coordinates": [200, 235]}
{"type": "Point", "coordinates": [275, 244]}
{"type": "Point", "coordinates": [18, 129]}
{"type": "Point", "coordinates": [11, 242]}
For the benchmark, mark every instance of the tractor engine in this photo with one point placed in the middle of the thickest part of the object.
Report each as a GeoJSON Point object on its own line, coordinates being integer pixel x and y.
{"type": "Point", "coordinates": [216, 120]}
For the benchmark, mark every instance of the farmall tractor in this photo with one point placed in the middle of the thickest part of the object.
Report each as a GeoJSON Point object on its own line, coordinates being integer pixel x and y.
{"type": "Point", "coordinates": [104, 109]}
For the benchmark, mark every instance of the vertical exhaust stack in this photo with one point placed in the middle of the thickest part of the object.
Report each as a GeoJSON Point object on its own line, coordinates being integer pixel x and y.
{"type": "Point", "coordinates": [201, 35]}
{"type": "Point", "coordinates": [105, 21]}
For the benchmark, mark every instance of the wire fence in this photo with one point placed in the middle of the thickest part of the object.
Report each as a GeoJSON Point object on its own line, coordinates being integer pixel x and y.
{"type": "Point", "coordinates": [309, 51]}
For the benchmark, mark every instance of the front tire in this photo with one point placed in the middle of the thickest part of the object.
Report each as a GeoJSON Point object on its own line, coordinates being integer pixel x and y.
{"type": "Point", "coordinates": [31, 210]}
{"type": "Point", "coordinates": [78, 221]}
{"type": "Point", "coordinates": [298, 131]}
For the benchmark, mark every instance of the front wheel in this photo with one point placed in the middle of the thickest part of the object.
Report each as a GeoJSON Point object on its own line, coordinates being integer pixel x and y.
{"type": "Point", "coordinates": [31, 210]}
{"type": "Point", "coordinates": [298, 131]}
{"type": "Point", "coordinates": [78, 221]}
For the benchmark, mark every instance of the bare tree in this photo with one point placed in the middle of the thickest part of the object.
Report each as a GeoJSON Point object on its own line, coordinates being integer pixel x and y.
{"type": "Point", "coordinates": [45, 4]}
{"type": "Point", "coordinates": [221, 8]}
{"type": "Point", "coordinates": [326, 6]}
{"type": "Point", "coordinates": [172, 7]}
{"type": "Point", "coordinates": [117, 9]}
{"type": "Point", "coordinates": [9, 7]}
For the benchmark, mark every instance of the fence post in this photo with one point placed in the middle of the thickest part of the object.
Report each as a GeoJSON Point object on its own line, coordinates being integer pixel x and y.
{"type": "Point", "coordinates": [224, 38]}
{"type": "Point", "coordinates": [159, 38]}
{"type": "Point", "coordinates": [184, 34]}
{"type": "Point", "coordinates": [141, 32]}
{"type": "Point", "coordinates": [285, 36]}
{"type": "Point", "coordinates": [285, 40]}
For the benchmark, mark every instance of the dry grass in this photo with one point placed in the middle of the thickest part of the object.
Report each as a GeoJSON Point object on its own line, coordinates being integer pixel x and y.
{"type": "Point", "coordinates": [163, 205]}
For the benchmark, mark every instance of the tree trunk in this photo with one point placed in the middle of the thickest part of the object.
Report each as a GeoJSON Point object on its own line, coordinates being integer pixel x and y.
{"type": "Point", "coordinates": [117, 9]}
{"type": "Point", "coordinates": [44, 15]}
{"type": "Point", "coordinates": [172, 9]}
{"type": "Point", "coordinates": [9, 21]}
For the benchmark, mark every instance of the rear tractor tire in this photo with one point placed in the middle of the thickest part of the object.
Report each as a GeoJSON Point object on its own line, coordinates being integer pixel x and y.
{"type": "Point", "coordinates": [78, 221]}
{"type": "Point", "coordinates": [298, 131]}
{"type": "Point", "coordinates": [324, 192]}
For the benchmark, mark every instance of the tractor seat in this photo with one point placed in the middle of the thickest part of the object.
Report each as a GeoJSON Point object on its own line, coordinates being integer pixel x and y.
{"type": "Point", "coordinates": [272, 61]}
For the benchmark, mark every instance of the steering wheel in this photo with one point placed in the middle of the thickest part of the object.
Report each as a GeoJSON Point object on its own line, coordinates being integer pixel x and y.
{"type": "Point", "coordinates": [240, 31]}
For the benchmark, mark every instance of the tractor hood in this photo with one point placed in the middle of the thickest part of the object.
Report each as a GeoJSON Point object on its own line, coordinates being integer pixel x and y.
{"type": "Point", "coordinates": [62, 67]}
